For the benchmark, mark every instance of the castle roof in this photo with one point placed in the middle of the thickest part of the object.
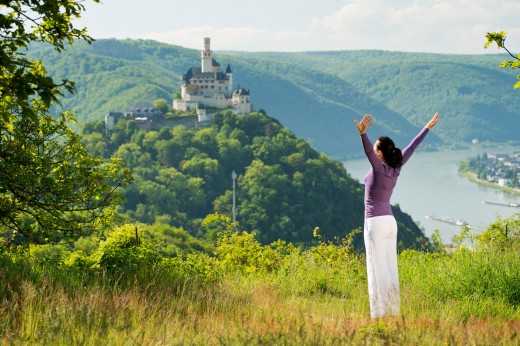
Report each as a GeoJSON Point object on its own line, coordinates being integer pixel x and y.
{"type": "Point", "coordinates": [196, 72]}
{"type": "Point", "coordinates": [241, 91]}
{"type": "Point", "coordinates": [228, 69]}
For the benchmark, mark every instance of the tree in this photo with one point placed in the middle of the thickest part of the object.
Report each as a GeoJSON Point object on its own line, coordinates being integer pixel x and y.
{"type": "Point", "coordinates": [162, 105]}
{"type": "Point", "coordinates": [500, 38]}
{"type": "Point", "coordinates": [23, 22]}
{"type": "Point", "coordinates": [50, 188]}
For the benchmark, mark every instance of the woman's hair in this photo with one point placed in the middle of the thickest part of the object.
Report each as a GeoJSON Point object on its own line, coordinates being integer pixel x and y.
{"type": "Point", "coordinates": [391, 155]}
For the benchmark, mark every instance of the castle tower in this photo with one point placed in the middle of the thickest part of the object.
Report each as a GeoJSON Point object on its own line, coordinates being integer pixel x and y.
{"type": "Point", "coordinates": [206, 57]}
{"type": "Point", "coordinates": [229, 75]}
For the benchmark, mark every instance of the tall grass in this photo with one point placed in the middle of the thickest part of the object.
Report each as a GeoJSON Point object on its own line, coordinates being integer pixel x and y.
{"type": "Point", "coordinates": [278, 295]}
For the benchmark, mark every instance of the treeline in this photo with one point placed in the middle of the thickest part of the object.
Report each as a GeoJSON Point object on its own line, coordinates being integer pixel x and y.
{"type": "Point", "coordinates": [477, 165]}
{"type": "Point", "coordinates": [284, 187]}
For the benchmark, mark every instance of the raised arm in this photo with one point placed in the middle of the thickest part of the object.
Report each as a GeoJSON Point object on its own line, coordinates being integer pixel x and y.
{"type": "Point", "coordinates": [362, 127]}
{"type": "Point", "coordinates": [408, 151]}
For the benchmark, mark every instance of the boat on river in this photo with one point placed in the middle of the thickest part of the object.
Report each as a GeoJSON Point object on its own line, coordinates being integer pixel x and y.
{"type": "Point", "coordinates": [457, 222]}
{"type": "Point", "coordinates": [511, 204]}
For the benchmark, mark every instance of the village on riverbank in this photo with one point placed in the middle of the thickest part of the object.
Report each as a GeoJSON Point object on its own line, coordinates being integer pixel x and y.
{"type": "Point", "coordinates": [500, 171]}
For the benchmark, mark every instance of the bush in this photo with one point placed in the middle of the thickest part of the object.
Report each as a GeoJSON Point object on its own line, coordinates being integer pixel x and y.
{"type": "Point", "coordinates": [125, 248]}
{"type": "Point", "coordinates": [502, 234]}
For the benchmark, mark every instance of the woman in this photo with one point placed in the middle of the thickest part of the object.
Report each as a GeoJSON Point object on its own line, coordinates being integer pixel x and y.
{"type": "Point", "coordinates": [380, 226]}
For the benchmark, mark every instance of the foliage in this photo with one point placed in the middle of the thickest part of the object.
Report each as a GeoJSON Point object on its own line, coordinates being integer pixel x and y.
{"type": "Point", "coordinates": [162, 105]}
{"type": "Point", "coordinates": [500, 38]}
{"type": "Point", "coordinates": [502, 235]}
{"type": "Point", "coordinates": [124, 248]}
{"type": "Point", "coordinates": [465, 296]}
{"type": "Point", "coordinates": [21, 23]}
{"type": "Point", "coordinates": [51, 189]}
{"type": "Point", "coordinates": [334, 254]}
{"type": "Point", "coordinates": [436, 241]}
{"type": "Point", "coordinates": [284, 187]}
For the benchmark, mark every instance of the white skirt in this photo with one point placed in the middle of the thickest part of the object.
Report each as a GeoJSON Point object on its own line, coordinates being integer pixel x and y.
{"type": "Point", "coordinates": [381, 255]}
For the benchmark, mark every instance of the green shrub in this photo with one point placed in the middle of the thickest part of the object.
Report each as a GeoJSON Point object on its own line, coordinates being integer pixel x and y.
{"type": "Point", "coordinates": [78, 259]}
{"type": "Point", "coordinates": [125, 248]}
{"type": "Point", "coordinates": [501, 235]}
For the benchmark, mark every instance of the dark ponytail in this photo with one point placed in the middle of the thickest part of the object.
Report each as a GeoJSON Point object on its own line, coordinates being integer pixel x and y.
{"type": "Point", "coordinates": [391, 155]}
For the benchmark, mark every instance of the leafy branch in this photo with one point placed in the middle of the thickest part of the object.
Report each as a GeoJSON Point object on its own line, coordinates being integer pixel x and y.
{"type": "Point", "coordinates": [500, 38]}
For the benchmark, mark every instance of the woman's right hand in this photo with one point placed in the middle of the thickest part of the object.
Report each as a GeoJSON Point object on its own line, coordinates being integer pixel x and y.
{"type": "Point", "coordinates": [365, 123]}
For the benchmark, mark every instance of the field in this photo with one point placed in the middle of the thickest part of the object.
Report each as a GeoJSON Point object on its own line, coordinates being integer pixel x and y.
{"type": "Point", "coordinates": [248, 293]}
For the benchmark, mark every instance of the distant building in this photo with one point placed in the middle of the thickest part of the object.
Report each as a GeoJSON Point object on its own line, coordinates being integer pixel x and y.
{"type": "Point", "coordinates": [111, 119]}
{"type": "Point", "coordinates": [208, 86]}
{"type": "Point", "coordinates": [143, 112]}
{"type": "Point", "coordinates": [504, 181]}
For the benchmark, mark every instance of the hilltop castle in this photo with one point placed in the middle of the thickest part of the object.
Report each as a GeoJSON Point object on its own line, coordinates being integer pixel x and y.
{"type": "Point", "coordinates": [208, 86]}
{"type": "Point", "coordinates": [201, 87]}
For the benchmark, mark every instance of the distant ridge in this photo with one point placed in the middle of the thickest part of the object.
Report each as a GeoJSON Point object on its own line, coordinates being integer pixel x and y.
{"type": "Point", "coordinates": [317, 95]}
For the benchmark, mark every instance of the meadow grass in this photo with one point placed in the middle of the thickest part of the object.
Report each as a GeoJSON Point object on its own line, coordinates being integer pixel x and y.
{"type": "Point", "coordinates": [464, 298]}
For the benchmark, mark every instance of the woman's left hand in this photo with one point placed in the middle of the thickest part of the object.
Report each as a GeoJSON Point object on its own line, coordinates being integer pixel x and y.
{"type": "Point", "coordinates": [432, 121]}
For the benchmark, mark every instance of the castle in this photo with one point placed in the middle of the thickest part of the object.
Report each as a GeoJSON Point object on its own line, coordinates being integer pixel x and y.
{"type": "Point", "coordinates": [201, 87]}
{"type": "Point", "coordinates": [208, 86]}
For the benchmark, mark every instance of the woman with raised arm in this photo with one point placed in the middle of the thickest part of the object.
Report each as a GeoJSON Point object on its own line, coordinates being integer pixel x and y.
{"type": "Point", "coordinates": [380, 231]}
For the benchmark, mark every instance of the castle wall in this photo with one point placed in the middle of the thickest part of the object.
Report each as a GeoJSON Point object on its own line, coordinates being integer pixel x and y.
{"type": "Point", "coordinates": [241, 104]}
{"type": "Point", "coordinates": [205, 87]}
{"type": "Point", "coordinates": [182, 105]}
{"type": "Point", "coordinates": [159, 124]}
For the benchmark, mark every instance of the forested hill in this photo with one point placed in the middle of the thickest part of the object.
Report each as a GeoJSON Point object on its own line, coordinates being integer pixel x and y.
{"type": "Point", "coordinates": [317, 95]}
{"type": "Point", "coordinates": [475, 98]}
{"type": "Point", "coordinates": [284, 189]}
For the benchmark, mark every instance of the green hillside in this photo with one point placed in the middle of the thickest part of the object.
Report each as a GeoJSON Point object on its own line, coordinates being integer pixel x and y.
{"type": "Point", "coordinates": [113, 75]}
{"type": "Point", "coordinates": [317, 95]}
{"type": "Point", "coordinates": [471, 91]}
{"type": "Point", "coordinates": [284, 189]}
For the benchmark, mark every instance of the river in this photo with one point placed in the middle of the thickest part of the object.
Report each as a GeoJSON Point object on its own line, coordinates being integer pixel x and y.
{"type": "Point", "coordinates": [430, 185]}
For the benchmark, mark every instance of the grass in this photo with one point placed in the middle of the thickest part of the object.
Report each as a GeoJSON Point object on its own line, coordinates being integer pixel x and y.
{"type": "Point", "coordinates": [465, 298]}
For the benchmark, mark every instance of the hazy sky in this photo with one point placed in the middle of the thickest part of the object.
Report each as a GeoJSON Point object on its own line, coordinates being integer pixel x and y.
{"type": "Point", "coordinates": [454, 26]}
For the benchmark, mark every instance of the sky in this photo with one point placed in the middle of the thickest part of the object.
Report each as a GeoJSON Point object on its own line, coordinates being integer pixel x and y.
{"type": "Point", "coordinates": [448, 27]}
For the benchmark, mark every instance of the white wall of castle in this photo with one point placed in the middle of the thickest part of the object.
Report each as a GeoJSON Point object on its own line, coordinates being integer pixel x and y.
{"type": "Point", "coordinates": [206, 88]}
{"type": "Point", "coordinates": [184, 106]}
{"type": "Point", "coordinates": [241, 104]}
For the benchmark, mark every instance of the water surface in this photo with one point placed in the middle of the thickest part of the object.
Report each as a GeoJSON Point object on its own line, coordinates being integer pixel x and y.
{"type": "Point", "coordinates": [429, 184]}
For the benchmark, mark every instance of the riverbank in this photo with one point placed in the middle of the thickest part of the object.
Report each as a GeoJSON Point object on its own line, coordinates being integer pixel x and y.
{"type": "Point", "coordinates": [473, 178]}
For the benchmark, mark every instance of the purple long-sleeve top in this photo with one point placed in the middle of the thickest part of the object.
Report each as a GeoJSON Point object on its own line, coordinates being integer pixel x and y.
{"type": "Point", "coordinates": [381, 179]}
